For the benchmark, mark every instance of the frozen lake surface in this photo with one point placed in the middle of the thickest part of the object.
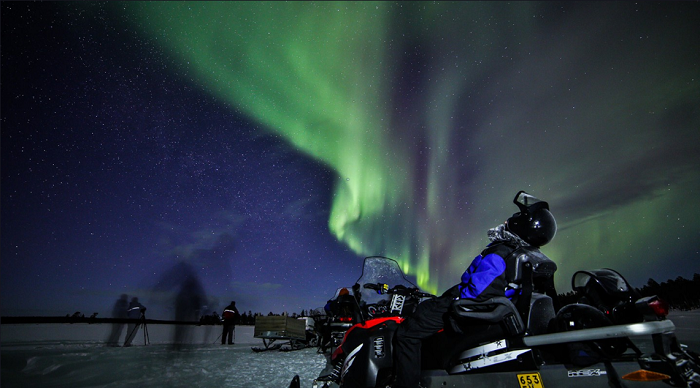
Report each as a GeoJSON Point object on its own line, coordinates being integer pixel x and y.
{"type": "Point", "coordinates": [84, 365]}
{"type": "Point", "coordinates": [75, 355]}
{"type": "Point", "coordinates": [65, 355]}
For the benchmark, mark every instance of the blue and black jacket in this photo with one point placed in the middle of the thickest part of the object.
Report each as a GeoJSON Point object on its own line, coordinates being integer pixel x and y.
{"type": "Point", "coordinates": [486, 276]}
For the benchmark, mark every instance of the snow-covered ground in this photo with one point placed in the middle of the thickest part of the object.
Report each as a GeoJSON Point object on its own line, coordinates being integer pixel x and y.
{"type": "Point", "coordinates": [98, 333]}
{"type": "Point", "coordinates": [74, 355]}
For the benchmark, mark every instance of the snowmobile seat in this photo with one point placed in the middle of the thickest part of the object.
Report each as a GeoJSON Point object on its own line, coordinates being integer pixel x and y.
{"type": "Point", "coordinates": [470, 324]}
{"type": "Point", "coordinates": [467, 312]}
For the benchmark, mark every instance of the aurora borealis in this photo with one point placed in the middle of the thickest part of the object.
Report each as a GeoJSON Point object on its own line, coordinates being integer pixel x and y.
{"type": "Point", "coordinates": [404, 128]}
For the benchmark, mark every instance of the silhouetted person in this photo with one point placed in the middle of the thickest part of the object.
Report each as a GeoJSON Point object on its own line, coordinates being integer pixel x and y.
{"type": "Point", "coordinates": [344, 304]}
{"type": "Point", "coordinates": [189, 299]}
{"type": "Point", "coordinates": [119, 312]}
{"type": "Point", "coordinates": [231, 316]}
{"type": "Point", "coordinates": [188, 304]}
{"type": "Point", "coordinates": [135, 311]}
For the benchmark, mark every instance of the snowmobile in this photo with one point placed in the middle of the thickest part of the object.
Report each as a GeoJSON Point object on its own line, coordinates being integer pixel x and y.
{"type": "Point", "coordinates": [353, 305]}
{"type": "Point", "coordinates": [525, 342]}
{"type": "Point", "coordinates": [376, 303]}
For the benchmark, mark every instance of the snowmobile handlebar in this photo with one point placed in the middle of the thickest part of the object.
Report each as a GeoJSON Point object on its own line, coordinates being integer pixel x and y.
{"type": "Point", "coordinates": [399, 289]}
{"type": "Point", "coordinates": [381, 288]}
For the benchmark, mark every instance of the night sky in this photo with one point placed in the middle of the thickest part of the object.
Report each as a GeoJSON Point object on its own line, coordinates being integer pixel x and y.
{"type": "Point", "coordinates": [264, 148]}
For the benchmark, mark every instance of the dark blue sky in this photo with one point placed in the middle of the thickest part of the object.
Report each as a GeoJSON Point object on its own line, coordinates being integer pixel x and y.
{"type": "Point", "coordinates": [114, 170]}
{"type": "Point", "coordinates": [270, 154]}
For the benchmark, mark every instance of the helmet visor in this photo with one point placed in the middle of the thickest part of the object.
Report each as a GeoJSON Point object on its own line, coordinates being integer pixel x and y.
{"type": "Point", "coordinates": [528, 203]}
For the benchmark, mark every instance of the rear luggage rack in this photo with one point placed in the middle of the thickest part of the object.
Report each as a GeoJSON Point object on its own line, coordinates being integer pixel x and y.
{"type": "Point", "coordinates": [608, 332]}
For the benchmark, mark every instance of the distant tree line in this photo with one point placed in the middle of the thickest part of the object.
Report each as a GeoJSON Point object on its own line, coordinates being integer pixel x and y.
{"type": "Point", "coordinates": [248, 318]}
{"type": "Point", "coordinates": [679, 293]}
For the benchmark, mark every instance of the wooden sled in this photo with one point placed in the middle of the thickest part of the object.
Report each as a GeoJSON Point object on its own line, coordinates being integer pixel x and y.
{"type": "Point", "coordinates": [280, 333]}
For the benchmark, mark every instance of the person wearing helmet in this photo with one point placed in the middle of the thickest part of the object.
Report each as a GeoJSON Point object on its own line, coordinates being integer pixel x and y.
{"type": "Point", "coordinates": [534, 223]}
{"type": "Point", "coordinates": [485, 278]}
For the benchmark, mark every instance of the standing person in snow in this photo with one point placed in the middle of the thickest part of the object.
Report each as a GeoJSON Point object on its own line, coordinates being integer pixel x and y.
{"type": "Point", "coordinates": [136, 311]}
{"type": "Point", "coordinates": [230, 317]}
{"type": "Point", "coordinates": [485, 278]}
{"type": "Point", "coordinates": [119, 311]}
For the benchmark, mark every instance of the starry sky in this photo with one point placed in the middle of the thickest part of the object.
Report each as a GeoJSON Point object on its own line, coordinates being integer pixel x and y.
{"type": "Point", "coordinates": [265, 148]}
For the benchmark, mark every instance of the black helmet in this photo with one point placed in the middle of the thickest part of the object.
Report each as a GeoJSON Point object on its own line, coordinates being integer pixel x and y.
{"type": "Point", "coordinates": [534, 223]}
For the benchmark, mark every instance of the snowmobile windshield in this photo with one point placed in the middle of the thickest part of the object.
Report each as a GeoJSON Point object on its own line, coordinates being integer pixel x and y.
{"type": "Point", "coordinates": [379, 269]}
{"type": "Point", "coordinates": [528, 203]}
{"type": "Point", "coordinates": [611, 281]}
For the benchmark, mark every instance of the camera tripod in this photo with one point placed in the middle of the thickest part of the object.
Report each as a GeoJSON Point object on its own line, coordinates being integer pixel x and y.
{"type": "Point", "coordinates": [146, 338]}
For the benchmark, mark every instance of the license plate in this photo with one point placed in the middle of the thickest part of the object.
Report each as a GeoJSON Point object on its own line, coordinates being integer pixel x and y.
{"type": "Point", "coordinates": [530, 380]}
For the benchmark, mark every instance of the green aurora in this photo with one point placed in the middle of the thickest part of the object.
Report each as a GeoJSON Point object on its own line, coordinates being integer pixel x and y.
{"type": "Point", "coordinates": [434, 114]}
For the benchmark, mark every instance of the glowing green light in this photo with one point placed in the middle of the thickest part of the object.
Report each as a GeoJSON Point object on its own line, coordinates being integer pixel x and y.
{"type": "Point", "coordinates": [315, 73]}
{"type": "Point", "coordinates": [423, 186]}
